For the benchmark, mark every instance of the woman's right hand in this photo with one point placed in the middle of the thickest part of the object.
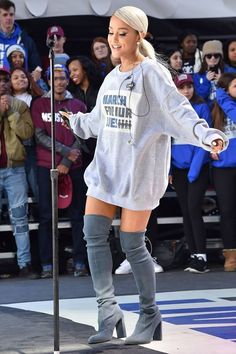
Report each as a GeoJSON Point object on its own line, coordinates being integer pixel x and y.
{"type": "Point", "coordinates": [65, 119]}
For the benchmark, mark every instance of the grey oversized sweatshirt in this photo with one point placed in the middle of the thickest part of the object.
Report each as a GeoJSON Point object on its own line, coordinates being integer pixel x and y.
{"type": "Point", "coordinates": [135, 115]}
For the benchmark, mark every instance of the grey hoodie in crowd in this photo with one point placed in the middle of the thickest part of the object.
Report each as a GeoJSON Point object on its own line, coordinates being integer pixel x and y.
{"type": "Point", "coordinates": [135, 115]}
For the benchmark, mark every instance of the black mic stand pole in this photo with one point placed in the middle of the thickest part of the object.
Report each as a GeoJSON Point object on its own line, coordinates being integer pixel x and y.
{"type": "Point", "coordinates": [54, 189]}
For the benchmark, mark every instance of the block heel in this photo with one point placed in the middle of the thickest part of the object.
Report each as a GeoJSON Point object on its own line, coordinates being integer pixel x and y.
{"type": "Point", "coordinates": [120, 328]}
{"type": "Point", "coordinates": [158, 332]}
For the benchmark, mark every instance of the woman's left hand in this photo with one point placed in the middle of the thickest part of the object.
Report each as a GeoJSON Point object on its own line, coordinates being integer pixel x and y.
{"type": "Point", "coordinates": [217, 146]}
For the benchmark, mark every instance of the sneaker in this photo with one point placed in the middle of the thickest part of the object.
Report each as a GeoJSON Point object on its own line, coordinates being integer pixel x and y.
{"type": "Point", "coordinates": [27, 272]}
{"type": "Point", "coordinates": [80, 270]}
{"type": "Point", "coordinates": [124, 268]}
{"type": "Point", "coordinates": [46, 274]}
{"type": "Point", "coordinates": [197, 265]}
{"type": "Point", "coordinates": [157, 267]}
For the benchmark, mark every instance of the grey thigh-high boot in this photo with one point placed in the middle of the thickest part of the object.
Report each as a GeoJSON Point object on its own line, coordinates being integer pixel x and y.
{"type": "Point", "coordinates": [148, 327]}
{"type": "Point", "coordinates": [110, 316]}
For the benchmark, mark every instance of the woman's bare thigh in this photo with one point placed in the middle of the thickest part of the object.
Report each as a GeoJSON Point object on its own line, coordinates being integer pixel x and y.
{"type": "Point", "coordinates": [98, 207]}
{"type": "Point", "coordinates": [134, 220]}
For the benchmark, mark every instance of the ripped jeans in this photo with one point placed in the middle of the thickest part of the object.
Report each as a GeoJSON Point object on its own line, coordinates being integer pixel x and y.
{"type": "Point", "coordinates": [13, 182]}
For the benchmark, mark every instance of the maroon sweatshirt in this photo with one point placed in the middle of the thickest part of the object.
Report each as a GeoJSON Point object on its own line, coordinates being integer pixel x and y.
{"type": "Point", "coordinates": [41, 116]}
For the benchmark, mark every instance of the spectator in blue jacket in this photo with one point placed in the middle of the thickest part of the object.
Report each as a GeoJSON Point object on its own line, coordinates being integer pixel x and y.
{"type": "Point", "coordinates": [11, 33]}
{"type": "Point", "coordinates": [229, 48]}
{"type": "Point", "coordinates": [224, 166]}
{"type": "Point", "coordinates": [189, 176]}
{"type": "Point", "coordinates": [205, 81]}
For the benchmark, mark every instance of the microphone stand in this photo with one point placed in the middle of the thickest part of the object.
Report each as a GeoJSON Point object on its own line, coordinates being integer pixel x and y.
{"type": "Point", "coordinates": [54, 192]}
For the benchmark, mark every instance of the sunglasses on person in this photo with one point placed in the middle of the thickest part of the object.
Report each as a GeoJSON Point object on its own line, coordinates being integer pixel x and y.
{"type": "Point", "coordinates": [216, 56]}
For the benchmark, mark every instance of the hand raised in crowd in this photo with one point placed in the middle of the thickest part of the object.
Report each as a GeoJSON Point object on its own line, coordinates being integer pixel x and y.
{"type": "Point", "coordinates": [5, 101]}
{"type": "Point", "coordinates": [36, 74]}
{"type": "Point", "coordinates": [212, 75]}
{"type": "Point", "coordinates": [218, 75]}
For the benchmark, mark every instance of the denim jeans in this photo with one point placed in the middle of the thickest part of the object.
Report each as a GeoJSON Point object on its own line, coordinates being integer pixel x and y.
{"type": "Point", "coordinates": [75, 211]}
{"type": "Point", "coordinates": [30, 169]}
{"type": "Point", "coordinates": [13, 182]}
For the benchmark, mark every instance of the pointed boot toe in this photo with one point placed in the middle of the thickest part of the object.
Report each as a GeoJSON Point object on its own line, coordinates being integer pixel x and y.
{"type": "Point", "coordinates": [107, 325]}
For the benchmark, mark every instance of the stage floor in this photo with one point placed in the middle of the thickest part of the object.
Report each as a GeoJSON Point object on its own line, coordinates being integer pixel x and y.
{"type": "Point", "coordinates": [199, 314]}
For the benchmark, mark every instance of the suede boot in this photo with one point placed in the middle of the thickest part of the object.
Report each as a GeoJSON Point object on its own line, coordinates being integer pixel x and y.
{"type": "Point", "coordinates": [230, 259]}
{"type": "Point", "coordinates": [110, 316]}
{"type": "Point", "coordinates": [148, 327]}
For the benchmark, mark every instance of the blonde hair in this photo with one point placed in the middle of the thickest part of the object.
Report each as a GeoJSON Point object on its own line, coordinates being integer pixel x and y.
{"type": "Point", "coordinates": [137, 19]}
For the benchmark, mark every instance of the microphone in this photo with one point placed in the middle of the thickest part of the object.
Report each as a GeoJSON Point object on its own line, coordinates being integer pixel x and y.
{"type": "Point", "coordinates": [50, 42]}
{"type": "Point", "coordinates": [130, 86]}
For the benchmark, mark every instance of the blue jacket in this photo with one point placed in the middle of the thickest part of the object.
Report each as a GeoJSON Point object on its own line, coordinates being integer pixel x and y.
{"type": "Point", "coordinates": [204, 88]}
{"type": "Point", "coordinates": [185, 156]}
{"type": "Point", "coordinates": [19, 36]}
{"type": "Point", "coordinates": [229, 69]}
{"type": "Point", "coordinates": [227, 158]}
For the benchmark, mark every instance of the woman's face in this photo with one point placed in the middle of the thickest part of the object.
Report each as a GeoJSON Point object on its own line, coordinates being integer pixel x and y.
{"type": "Point", "coordinates": [187, 90]}
{"type": "Point", "coordinates": [232, 53]}
{"type": "Point", "coordinates": [232, 89]}
{"type": "Point", "coordinates": [19, 82]}
{"type": "Point", "coordinates": [176, 61]}
{"type": "Point", "coordinates": [77, 73]}
{"type": "Point", "coordinates": [212, 59]}
{"type": "Point", "coordinates": [189, 44]}
{"type": "Point", "coordinates": [122, 39]}
{"type": "Point", "coordinates": [17, 59]}
{"type": "Point", "coordinates": [100, 50]}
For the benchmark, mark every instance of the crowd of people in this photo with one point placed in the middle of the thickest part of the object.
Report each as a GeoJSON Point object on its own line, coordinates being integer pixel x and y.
{"type": "Point", "coordinates": [206, 77]}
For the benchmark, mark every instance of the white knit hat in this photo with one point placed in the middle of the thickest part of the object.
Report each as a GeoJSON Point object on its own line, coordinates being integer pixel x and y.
{"type": "Point", "coordinates": [15, 48]}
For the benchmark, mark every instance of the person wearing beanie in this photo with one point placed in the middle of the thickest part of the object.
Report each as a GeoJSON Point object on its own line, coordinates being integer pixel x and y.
{"type": "Point", "coordinates": [12, 33]}
{"type": "Point", "coordinates": [191, 54]}
{"type": "Point", "coordinates": [213, 46]}
{"type": "Point", "coordinates": [15, 57]}
{"type": "Point", "coordinates": [205, 81]}
{"type": "Point", "coordinates": [189, 177]}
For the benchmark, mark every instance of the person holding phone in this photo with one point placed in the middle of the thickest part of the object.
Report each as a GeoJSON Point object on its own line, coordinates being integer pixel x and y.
{"type": "Point", "coordinates": [137, 110]}
{"type": "Point", "coordinates": [205, 81]}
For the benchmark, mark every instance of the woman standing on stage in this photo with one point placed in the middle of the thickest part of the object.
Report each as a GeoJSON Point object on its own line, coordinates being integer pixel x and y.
{"type": "Point", "coordinates": [138, 108]}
